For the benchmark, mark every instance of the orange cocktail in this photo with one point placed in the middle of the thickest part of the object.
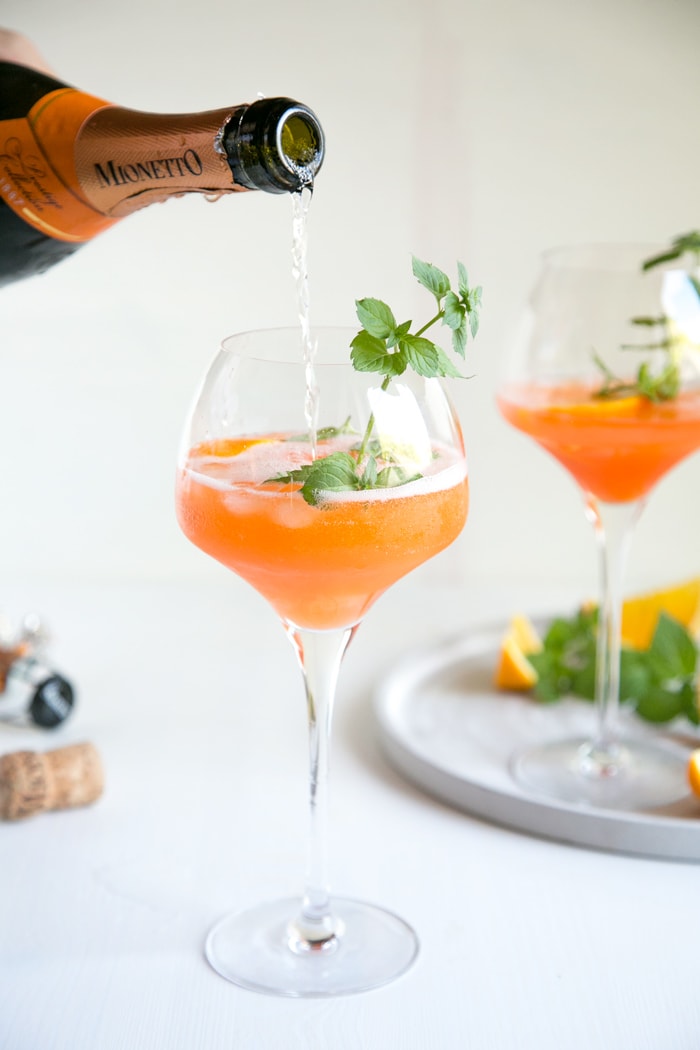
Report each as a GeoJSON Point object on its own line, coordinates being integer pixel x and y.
{"type": "Point", "coordinates": [616, 448]}
{"type": "Point", "coordinates": [322, 566]}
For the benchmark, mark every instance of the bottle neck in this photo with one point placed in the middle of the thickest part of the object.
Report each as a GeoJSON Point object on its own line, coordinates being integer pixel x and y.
{"type": "Point", "coordinates": [125, 160]}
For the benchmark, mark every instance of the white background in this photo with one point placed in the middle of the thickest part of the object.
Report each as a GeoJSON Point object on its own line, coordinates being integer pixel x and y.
{"type": "Point", "coordinates": [458, 129]}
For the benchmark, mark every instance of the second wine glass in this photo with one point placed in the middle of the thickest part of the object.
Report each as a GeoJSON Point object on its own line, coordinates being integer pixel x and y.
{"type": "Point", "coordinates": [601, 380]}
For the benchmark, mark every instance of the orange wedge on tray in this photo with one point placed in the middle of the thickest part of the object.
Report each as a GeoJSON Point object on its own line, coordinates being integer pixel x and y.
{"type": "Point", "coordinates": [514, 671]}
{"type": "Point", "coordinates": [694, 772]}
{"type": "Point", "coordinates": [640, 616]}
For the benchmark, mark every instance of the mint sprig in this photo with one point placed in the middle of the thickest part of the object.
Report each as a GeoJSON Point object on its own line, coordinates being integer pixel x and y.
{"type": "Point", "coordinates": [339, 472]}
{"type": "Point", "coordinates": [665, 384]}
{"type": "Point", "coordinates": [659, 683]}
{"type": "Point", "coordinates": [389, 348]}
{"type": "Point", "coordinates": [680, 246]}
{"type": "Point", "coordinates": [382, 345]}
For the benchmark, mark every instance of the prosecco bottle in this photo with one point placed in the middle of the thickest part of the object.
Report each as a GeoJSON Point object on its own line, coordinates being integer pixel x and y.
{"type": "Point", "coordinates": [72, 165]}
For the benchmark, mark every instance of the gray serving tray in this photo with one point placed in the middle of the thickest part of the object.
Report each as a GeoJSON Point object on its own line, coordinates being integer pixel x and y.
{"type": "Point", "coordinates": [444, 726]}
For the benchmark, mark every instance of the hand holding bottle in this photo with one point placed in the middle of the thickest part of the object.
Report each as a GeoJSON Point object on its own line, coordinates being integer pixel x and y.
{"type": "Point", "coordinates": [14, 47]}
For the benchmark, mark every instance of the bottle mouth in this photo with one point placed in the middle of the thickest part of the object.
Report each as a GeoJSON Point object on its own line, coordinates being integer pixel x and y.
{"type": "Point", "coordinates": [276, 145]}
{"type": "Point", "coordinates": [300, 143]}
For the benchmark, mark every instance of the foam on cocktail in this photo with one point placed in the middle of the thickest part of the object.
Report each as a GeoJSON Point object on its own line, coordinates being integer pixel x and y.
{"type": "Point", "coordinates": [268, 459]}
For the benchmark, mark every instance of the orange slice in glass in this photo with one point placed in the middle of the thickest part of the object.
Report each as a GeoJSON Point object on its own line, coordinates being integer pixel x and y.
{"type": "Point", "coordinates": [604, 407]}
{"type": "Point", "coordinates": [224, 447]}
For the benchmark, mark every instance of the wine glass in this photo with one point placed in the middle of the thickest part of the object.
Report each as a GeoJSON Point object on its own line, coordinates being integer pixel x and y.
{"type": "Point", "coordinates": [603, 378]}
{"type": "Point", "coordinates": [321, 552]}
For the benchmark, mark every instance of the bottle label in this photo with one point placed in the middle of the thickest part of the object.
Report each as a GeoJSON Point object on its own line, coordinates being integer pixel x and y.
{"type": "Point", "coordinates": [46, 194]}
{"type": "Point", "coordinates": [126, 160]}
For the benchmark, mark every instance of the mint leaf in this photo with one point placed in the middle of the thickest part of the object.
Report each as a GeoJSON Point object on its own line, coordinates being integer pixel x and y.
{"type": "Point", "coordinates": [370, 354]}
{"type": "Point", "coordinates": [398, 333]}
{"type": "Point", "coordinates": [660, 704]}
{"type": "Point", "coordinates": [298, 475]}
{"type": "Point", "coordinates": [672, 653]}
{"type": "Point", "coordinates": [326, 433]}
{"type": "Point", "coordinates": [336, 472]}
{"type": "Point", "coordinates": [583, 682]}
{"type": "Point", "coordinates": [648, 322]}
{"type": "Point", "coordinates": [565, 664]}
{"type": "Point", "coordinates": [459, 340]}
{"type": "Point", "coordinates": [375, 317]}
{"type": "Point", "coordinates": [426, 358]}
{"type": "Point", "coordinates": [635, 675]}
{"type": "Point", "coordinates": [431, 278]}
{"type": "Point", "coordinates": [455, 310]}
{"type": "Point", "coordinates": [663, 257]}
{"type": "Point", "coordinates": [369, 476]}
{"type": "Point", "coordinates": [688, 242]}
{"type": "Point", "coordinates": [456, 313]}
{"type": "Point", "coordinates": [689, 695]}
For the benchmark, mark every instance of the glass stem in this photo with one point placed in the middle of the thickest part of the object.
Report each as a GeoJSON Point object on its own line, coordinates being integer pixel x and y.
{"type": "Point", "coordinates": [320, 654]}
{"type": "Point", "coordinates": [614, 525]}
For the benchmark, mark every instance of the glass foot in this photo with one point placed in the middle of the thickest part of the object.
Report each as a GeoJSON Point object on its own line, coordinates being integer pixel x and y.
{"type": "Point", "coordinates": [254, 949]}
{"type": "Point", "coordinates": [632, 774]}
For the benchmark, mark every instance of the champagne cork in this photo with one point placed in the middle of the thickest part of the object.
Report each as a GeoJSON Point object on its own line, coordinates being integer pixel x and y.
{"type": "Point", "coordinates": [31, 782]}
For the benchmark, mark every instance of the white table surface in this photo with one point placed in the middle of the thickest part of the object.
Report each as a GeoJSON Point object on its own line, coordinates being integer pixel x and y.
{"type": "Point", "coordinates": [193, 698]}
